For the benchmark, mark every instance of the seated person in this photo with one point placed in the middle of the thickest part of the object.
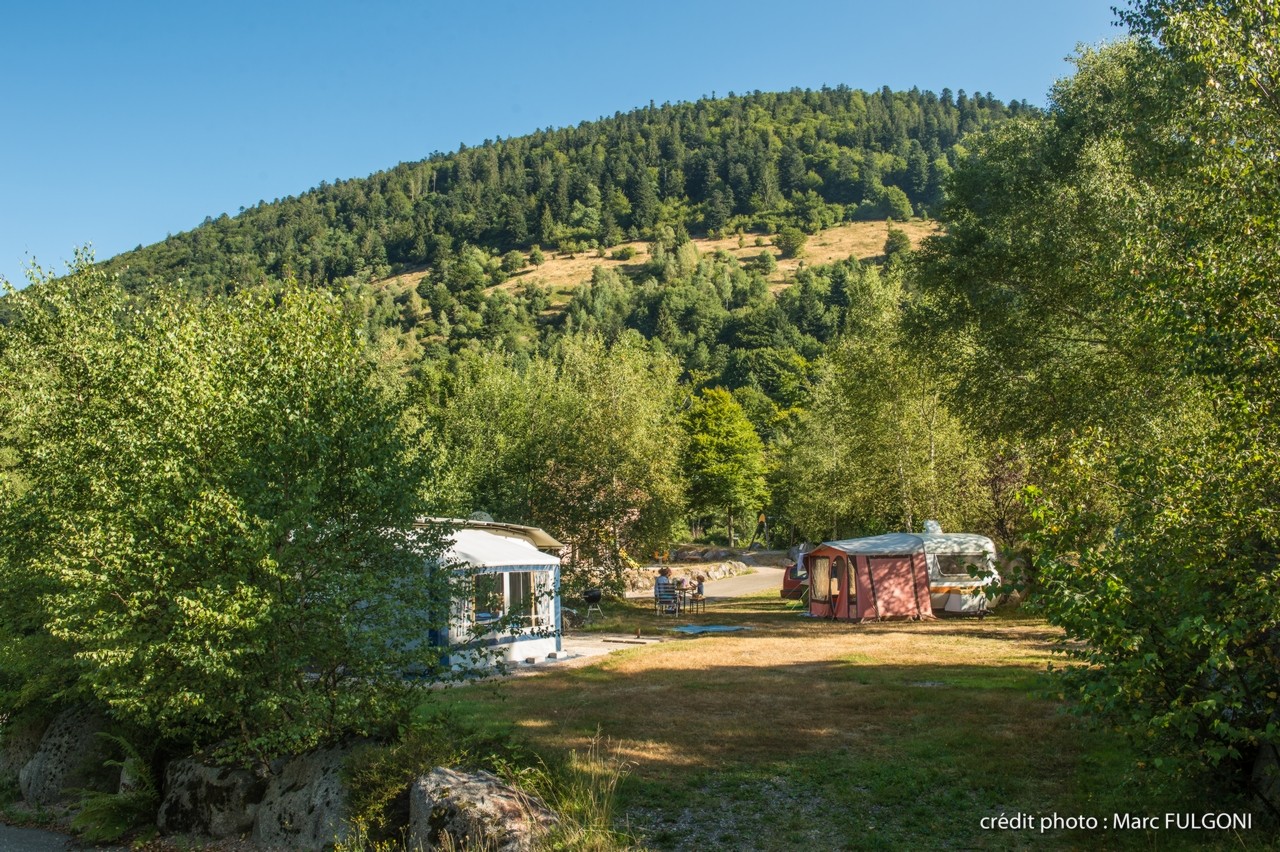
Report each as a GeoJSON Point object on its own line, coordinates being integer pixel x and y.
{"type": "Point", "coordinates": [698, 591]}
{"type": "Point", "coordinates": [663, 591]}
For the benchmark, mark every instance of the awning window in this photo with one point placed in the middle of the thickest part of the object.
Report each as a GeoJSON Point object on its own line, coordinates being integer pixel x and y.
{"type": "Point", "coordinates": [820, 578]}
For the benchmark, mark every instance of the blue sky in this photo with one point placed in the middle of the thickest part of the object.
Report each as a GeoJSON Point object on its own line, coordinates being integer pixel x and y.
{"type": "Point", "coordinates": [123, 122]}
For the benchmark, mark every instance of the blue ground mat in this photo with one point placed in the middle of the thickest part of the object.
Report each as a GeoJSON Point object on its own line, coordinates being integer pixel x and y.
{"type": "Point", "coordinates": [708, 628]}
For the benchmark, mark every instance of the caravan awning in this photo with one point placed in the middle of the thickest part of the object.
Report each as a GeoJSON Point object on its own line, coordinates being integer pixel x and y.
{"type": "Point", "coordinates": [482, 549]}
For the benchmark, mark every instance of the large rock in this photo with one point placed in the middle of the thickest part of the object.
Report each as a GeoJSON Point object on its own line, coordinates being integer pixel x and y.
{"type": "Point", "coordinates": [305, 804]}
{"type": "Point", "coordinates": [210, 800]}
{"type": "Point", "coordinates": [476, 811]}
{"type": "Point", "coordinates": [70, 758]}
{"type": "Point", "coordinates": [1012, 599]}
{"type": "Point", "coordinates": [18, 744]}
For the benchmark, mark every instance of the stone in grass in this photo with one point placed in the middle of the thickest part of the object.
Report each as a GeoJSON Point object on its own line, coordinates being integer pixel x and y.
{"type": "Point", "coordinates": [476, 810]}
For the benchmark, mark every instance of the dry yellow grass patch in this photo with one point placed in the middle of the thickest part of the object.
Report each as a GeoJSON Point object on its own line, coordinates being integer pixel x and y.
{"type": "Point", "coordinates": [399, 283]}
{"type": "Point", "coordinates": [562, 273]}
{"type": "Point", "coordinates": [862, 240]}
{"type": "Point", "coordinates": [775, 690]}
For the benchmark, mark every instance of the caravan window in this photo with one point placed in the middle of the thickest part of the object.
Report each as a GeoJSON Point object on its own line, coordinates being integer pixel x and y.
{"type": "Point", "coordinates": [490, 603]}
{"type": "Point", "coordinates": [819, 583]}
{"type": "Point", "coordinates": [957, 565]}
{"type": "Point", "coordinates": [524, 597]}
{"type": "Point", "coordinates": [507, 594]}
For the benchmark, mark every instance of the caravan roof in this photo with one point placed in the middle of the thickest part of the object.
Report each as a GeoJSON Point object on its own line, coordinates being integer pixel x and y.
{"type": "Point", "coordinates": [537, 536]}
{"type": "Point", "coordinates": [903, 544]}
{"type": "Point", "coordinates": [484, 549]}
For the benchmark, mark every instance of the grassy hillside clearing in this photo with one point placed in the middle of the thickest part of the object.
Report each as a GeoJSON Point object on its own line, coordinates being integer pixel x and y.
{"type": "Point", "coordinates": [560, 273]}
{"type": "Point", "coordinates": [807, 734]}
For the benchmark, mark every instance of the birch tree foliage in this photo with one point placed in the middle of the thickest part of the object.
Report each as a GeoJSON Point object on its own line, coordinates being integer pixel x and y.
{"type": "Point", "coordinates": [879, 450]}
{"type": "Point", "coordinates": [723, 458]}
{"type": "Point", "coordinates": [880, 447]}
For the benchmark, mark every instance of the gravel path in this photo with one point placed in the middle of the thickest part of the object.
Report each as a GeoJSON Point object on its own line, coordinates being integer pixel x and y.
{"type": "Point", "coordinates": [764, 579]}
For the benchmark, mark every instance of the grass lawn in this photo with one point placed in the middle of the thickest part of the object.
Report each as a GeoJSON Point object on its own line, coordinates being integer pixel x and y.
{"type": "Point", "coordinates": [808, 734]}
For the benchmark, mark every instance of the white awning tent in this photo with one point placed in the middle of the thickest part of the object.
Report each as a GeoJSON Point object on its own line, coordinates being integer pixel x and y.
{"type": "Point", "coordinates": [482, 550]}
{"type": "Point", "coordinates": [526, 589]}
{"type": "Point", "coordinates": [536, 536]}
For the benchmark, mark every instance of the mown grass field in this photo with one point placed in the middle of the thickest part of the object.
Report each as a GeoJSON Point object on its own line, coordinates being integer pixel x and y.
{"type": "Point", "coordinates": [807, 734]}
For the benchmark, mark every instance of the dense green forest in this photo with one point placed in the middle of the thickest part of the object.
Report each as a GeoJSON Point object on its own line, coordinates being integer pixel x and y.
{"type": "Point", "coordinates": [1082, 364]}
{"type": "Point", "coordinates": [809, 158]}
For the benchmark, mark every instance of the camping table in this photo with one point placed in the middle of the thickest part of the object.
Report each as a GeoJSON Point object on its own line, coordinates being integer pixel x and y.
{"type": "Point", "coordinates": [682, 598]}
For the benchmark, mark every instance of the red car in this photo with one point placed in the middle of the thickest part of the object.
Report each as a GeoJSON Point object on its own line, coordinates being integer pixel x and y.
{"type": "Point", "coordinates": [795, 581]}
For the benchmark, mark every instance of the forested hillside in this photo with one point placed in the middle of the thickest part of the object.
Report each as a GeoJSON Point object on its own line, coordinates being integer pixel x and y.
{"type": "Point", "coordinates": [758, 161]}
{"type": "Point", "coordinates": [439, 260]}
{"type": "Point", "coordinates": [442, 259]}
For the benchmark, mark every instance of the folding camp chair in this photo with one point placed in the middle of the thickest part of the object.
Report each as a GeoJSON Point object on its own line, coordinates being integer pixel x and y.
{"type": "Point", "coordinates": [665, 601]}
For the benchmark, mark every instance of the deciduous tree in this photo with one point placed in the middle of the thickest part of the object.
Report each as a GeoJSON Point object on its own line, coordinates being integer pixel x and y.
{"type": "Point", "coordinates": [1113, 270]}
{"type": "Point", "coordinates": [582, 441]}
{"type": "Point", "coordinates": [790, 241]}
{"type": "Point", "coordinates": [723, 458]}
{"type": "Point", "coordinates": [205, 516]}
